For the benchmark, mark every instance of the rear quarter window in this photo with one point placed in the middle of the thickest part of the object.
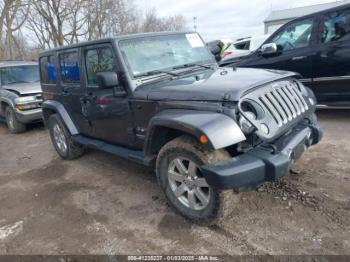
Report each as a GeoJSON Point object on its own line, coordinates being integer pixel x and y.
{"type": "Point", "coordinates": [48, 70]}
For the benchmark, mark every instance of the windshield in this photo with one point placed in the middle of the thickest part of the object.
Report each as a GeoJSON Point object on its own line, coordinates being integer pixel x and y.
{"type": "Point", "coordinates": [19, 74]}
{"type": "Point", "coordinates": [147, 54]}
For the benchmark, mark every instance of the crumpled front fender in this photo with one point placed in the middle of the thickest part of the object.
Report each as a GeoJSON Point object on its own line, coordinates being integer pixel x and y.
{"type": "Point", "coordinates": [221, 130]}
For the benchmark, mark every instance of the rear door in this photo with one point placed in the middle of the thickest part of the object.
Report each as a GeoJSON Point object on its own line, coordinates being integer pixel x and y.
{"type": "Point", "coordinates": [108, 110]}
{"type": "Point", "coordinates": [72, 88]}
{"type": "Point", "coordinates": [331, 70]}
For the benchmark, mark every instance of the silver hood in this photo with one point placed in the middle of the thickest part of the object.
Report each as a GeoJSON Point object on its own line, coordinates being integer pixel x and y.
{"type": "Point", "coordinates": [24, 88]}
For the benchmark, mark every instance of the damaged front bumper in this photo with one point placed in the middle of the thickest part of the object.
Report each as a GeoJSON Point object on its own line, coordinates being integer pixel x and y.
{"type": "Point", "coordinates": [265, 162]}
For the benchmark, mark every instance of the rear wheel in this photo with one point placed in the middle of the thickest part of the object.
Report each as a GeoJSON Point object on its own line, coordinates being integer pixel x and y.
{"type": "Point", "coordinates": [62, 139]}
{"type": "Point", "coordinates": [187, 190]}
{"type": "Point", "coordinates": [12, 122]}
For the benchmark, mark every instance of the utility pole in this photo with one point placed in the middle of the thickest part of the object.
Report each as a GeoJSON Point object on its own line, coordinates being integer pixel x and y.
{"type": "Point", "coordinates": [195, 23]}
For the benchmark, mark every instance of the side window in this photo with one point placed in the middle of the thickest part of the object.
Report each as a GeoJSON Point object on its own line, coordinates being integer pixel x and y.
{"type": "Point", "coordinates": [48, 69]}
{"type": "Point", "coordinates": [69, 67]}
{"type": "Point", "coordinates": [335, 26]}
{"type": "Point", "coordinates": [98, 60]}
{"type": "Point", "coordinates": [243, 45]}
{"type": "Point", "coordinates": [295, 35]}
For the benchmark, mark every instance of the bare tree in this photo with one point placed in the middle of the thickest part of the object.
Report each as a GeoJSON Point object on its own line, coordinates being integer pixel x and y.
{"type": "Point", "coordinates": [109, 17]}
{"type": "Point", "coordinates": [3, 10]}
{"type": "Point", "coordinates": [124, 18]}
{"type": "Point", "coordinates": [97, 13]}
{"type": "Point", "coordinates": [13, 15]}
{"type": "Point", "coordinates": [29, 25]}
{"type": "Point", "coordinates": [153, 23]}
{"type": "Point", "coordinates": [39, 30]}
{"type": "Point", "coordinates": [113, 17]}
{"type": "Point", "coordinates": [174, 23]}
{"type": "Point", "coordinates": [56, 22]}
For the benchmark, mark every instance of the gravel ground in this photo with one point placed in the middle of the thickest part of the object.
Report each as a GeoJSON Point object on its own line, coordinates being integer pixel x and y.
{"type": "Point", "coordinates": [101, 204]}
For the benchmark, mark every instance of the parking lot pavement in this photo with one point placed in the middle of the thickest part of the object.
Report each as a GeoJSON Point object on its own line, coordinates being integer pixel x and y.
{"type": "Point", "coordinates": [101, 204]}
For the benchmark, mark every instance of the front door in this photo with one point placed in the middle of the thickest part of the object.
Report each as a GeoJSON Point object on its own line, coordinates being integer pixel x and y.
{"type": "Point", "coordinates": [294, 49]}
{"type": "Point", "coordinates": [109, 114]}
{"type": "Point", "coordinates": [331, 70]}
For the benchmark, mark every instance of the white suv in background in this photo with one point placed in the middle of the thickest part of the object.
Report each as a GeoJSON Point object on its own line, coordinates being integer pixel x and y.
{"type": "Point", "coordinates": [243, 47]}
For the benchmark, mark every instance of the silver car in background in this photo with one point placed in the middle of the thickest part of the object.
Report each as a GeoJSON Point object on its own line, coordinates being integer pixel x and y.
{"type": "Point", "coordinates": [20, 94]}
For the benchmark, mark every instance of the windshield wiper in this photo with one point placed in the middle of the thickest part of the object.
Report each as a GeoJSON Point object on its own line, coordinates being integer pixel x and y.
{"type": "Point", "coordinates": [156, 72]}
{"type": "Point", "coordinates": [193, 64]}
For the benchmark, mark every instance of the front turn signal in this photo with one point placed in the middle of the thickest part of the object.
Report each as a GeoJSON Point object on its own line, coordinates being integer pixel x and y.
{"type": "Point", "coordinates": [203, 139]}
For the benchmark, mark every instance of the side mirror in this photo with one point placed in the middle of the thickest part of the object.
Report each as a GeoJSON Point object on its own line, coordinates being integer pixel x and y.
{"type": "Point", "coordinates": [107, 80]}
{"type": "Point", "coordinates": [269, 49]}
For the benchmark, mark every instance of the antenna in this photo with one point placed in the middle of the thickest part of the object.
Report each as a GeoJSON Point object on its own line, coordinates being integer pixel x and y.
{"type": "Point", "coordinates": [195, 23]}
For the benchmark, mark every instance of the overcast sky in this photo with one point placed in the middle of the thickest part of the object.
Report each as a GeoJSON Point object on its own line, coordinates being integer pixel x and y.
{"type": "Point", "coordinates": [224, 18]}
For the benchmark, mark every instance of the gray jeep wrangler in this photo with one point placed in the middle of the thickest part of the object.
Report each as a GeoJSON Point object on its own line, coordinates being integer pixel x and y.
{"type": "Point", "coordinates": [161, 100]}
{"type": "Point", "coordinates": [20, 94]}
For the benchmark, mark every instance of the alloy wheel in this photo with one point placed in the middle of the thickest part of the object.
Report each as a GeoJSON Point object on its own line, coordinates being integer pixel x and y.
{"type": "Point", "coordinates": [188, 184]}
{"type": "Point", "coordinates": [10, 120]}
{"type": "Point", "coordinates": [59, 138]}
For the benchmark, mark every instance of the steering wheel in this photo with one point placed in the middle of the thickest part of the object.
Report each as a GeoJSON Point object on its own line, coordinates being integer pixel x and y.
{"type": "Point", "coordinates": [288, 44]}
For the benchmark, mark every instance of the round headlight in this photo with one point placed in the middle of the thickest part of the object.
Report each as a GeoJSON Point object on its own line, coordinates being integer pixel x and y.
{"type": "Point", "coordinates": [265, 129]}
{"type": "Point", "coordinates": [252, 110]}
{"type": "Point", "coordinates": [250, 115]}
{"type": "Point", "coordinates": [249, 110]}
{"type": "Point", "coordinates": [245, 125]}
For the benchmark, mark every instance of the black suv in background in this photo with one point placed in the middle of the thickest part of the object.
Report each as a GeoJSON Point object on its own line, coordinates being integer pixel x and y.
{"type": "Point", "coordinates": [161, 100]}
{"type": "Point", "coordinates": [318, 47]}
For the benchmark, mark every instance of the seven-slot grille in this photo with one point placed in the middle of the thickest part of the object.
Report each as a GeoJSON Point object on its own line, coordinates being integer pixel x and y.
{"type": "Point", "coordinates": [275, 107]}
{"type": "Point", "coordinates": [284, 103]}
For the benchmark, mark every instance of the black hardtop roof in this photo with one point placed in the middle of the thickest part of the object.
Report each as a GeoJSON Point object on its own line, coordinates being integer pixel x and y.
{"type": "Point", "coordinates": [109, 39]}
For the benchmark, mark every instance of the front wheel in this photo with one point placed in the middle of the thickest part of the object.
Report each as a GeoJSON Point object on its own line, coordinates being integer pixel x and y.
{"type": "Point", "coordinates": [187, 190]}
{"type": "Point", "coordinates": [12, 122]}
{"type": "Point", "coordinates": [62, 140]}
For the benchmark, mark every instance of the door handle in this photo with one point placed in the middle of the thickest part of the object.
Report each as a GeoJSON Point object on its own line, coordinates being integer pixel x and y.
{"type": "Point", "coordinates": [65, 93]}
{"type": "Point", "coordinates": [89, 96]}
{"type": "Point", "coordinates": [298, 58]}
{"type": "Point", "coordinates": [83, 99]}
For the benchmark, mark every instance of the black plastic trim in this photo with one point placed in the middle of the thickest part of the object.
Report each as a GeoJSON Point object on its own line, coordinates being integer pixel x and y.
{"type": "Point", "coordinates": [261, 163]}
{"type": "Point", "coordinates": [134, 155]}
{"type": "Point", "coordinates": [60, 109]}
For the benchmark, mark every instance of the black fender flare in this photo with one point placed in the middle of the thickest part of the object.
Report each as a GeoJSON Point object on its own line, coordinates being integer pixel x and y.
{"type": "Point", "coordinates": [62, 112]}
{"type": "Point", "coordinates": [7, 101]}
{"type": "Point", "coordinates": [221, 130]}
